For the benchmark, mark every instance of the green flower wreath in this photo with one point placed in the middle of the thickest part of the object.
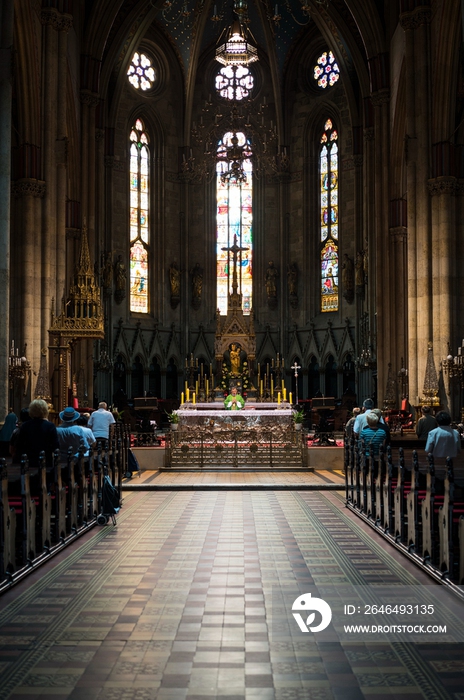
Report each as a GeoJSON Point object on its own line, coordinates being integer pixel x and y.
{"type": "Point", "coordinates": [242, 377]}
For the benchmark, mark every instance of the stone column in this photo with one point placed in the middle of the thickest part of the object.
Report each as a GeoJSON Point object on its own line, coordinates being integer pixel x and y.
{"type": "Point", "coordinates": [6, 42]}
{"type": "Point", "coordinates": [383, 321]}
{"type": "Point", "coordinates": [398, 292]}
{"type": "Point", "coordinates": [65, 25]}
{"type": "Point", "coordinates": [50, 19]}
{"type": "Point", "coordinates": [418, 51]}
{"type": "Point", "coordinates": [29, 193]}
{"type": "Point", "coordinates": [443, 191]}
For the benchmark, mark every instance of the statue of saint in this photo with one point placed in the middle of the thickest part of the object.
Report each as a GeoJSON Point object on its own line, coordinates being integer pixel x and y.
{"type": "Point", "coordinates": [359, 270]}
{"type": "Point", "coordinates": [292, 279]}
{"type": "Point", "coordinates": [234, 360]}
{"type": "Point", "coordinates": [271, 281]}
{"type": "Point", "coordinates": [107, 272]}
{"type": "Point", "coordinates": [197, 285]}
{"type": "Point", "coordinates": [359, 274]}
{"type": "Point", "coordinates": [120, 274]}
{"type": "Point", "coordinates": [174, 280]}
{"type": "Point", "coordinates": [348, 278]}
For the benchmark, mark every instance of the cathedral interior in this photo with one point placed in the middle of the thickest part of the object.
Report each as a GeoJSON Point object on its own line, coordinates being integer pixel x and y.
{"type": "Point", "coordinates": [172, 173]}
{"type": "Point", "coordinates": [331, 148]}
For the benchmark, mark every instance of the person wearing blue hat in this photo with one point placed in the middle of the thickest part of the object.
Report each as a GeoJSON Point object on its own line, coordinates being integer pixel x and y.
{"type": "Point", "coordinates": [72, 435]}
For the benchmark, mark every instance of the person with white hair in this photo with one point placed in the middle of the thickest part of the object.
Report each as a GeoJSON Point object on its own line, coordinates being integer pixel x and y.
{"type": "Point", "coordinates": [100, 421]}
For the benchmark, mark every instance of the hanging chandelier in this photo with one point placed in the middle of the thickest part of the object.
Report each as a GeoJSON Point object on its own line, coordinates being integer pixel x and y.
{"type": "Point", "coordinates": [237, 50]}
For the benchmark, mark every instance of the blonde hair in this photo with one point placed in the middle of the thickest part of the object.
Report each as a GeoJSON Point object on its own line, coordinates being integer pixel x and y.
{"type": "Point", "coordinates": [38, 409]}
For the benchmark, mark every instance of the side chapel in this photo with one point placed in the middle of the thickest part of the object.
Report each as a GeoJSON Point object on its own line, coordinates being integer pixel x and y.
{"type": "Point", "coordinates": [185, 181]}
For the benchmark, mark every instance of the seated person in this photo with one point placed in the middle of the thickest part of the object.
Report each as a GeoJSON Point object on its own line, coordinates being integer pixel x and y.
{"type": "Point", "coordinates": [234, 402]}
{"type": "Point", "coordinates": [443, 441]}
{"type": "Point", "coordinates": [72, 435]}
{"type": "Point", "coordinates": [373, 435]}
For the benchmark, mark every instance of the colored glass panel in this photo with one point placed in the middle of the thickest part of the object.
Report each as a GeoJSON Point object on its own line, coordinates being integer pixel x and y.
{"type": "Point", "coordinates": [326, 72]}
{"type": "Point", "coordinates": [328, 168]}
{"type": "Point", "coordinates": [139, 218]}
{"type": "Point", "coordinates": [141, 73]}
{"type": "Point", "coordinates": [138, 278]}
{"type": "Point", "coordinates": [234, 217]}
{"type": "Point", "coordinates": [329, 277]}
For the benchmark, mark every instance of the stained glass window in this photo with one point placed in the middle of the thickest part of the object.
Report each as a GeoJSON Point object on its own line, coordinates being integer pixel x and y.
{"type": "Point", "coordinates": [234, 217]}
{"type": "Point", "coordinates": [141, 73]}
{"type": "Point", "coordinates": [328, 172]}
{"type": "Point", "coordinates": [234, 82]}
{"type": "Point", "coordinates": [139, 189]}
{"type": "Point", "coordinates": [326, 70]}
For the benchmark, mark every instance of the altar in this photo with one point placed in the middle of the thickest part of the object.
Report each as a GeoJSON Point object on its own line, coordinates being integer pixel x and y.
{"type": "Point", "coordinates": [261, 435]}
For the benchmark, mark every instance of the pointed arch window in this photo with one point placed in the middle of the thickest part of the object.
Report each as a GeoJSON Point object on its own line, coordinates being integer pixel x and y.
{"type": "Point", "coordinates": [234, 216]}
{"type": "Point", "coordinates": [328, 179]}
{"type": "Point", "coordinates": [139, 217]}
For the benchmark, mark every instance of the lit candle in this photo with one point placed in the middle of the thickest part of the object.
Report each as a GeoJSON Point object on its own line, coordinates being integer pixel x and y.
{"type": "Point", "coordinates": [290, 398]}
{"type": "Point", "coordinates": [193, 398]}
{"type": "Point", "coordinates": [186, 388]}
{"type": "Point", "coordinates": [278, 397]}
{"type": "Point", "coordinates": [261, 388]}
{"type": "Point", "coordinates": [187, 394]}
{"type": "Point", "coordinates": [196, 387]}
{"type": "Point", "coordinates": [206, 386]}
{"type": "Point", "coordinates": [285, 394]}
{"type": "Point", "coordinates": [283, 384]}
{"type": "Point", "coordinates": [182, 398]}
{"type": "Point", "coordinates": [272, 387]}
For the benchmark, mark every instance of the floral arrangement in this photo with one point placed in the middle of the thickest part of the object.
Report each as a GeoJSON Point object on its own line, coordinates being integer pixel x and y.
{"type": "Point", "coordinates": [173, 417]}
{"type": "Point", "coordinates": [242, 379]}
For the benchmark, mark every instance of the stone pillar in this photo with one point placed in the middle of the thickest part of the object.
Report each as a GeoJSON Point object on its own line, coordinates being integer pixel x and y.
{"type": "Point", "coordinates": [380, 320]}
{"type": "Point", "coordinates": [6, 42]}
{"type": "Point", "coordinates": [418, 52]}
{"type": "Point", "coordinates": [398, 292]}
{"type": "Point", "coordinates": [443, 191]}
{"type": "Point", "coordinates": [50, 19]}
{"type": "Point", "coordinates": [61, 155]}
{"type": "Point", "coordinates": [28, 193]}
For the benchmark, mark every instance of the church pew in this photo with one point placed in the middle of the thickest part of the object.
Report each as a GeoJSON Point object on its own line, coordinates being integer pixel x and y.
{"type": "Point", "coordinates": [28, 553]}
{"type": "Point", "coordinates": [402, 487]}
{"type": "Point", "coordinates": [379, 482]}
{"type": "Point", "coordinates": [413, 499]}
{"type": "Point", "coordinates": [7, 526]}
{"type": "Point", "coordinates": [461, 550]}
{"type": "Point", "coordinates": [45, 505]}
{"type": "Point", "coordinates": [448, 516]}
{"type": "Point", "coordinates": [389, 486]}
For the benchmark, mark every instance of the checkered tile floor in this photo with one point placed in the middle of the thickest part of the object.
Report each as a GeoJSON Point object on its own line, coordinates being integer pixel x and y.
{"type": "Point", "coordinates": [177, 601]}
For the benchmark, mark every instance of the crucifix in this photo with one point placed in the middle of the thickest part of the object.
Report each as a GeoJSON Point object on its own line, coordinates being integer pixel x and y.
{"type": "Point", "coordinates": [296, 368]}
{"type": "Point", "coordinates": [234, 249]}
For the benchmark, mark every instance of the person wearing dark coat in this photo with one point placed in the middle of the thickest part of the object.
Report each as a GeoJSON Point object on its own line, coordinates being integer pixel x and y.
{"type": "Point", "coordinates": [6, 432]}
{"type": "Point", "coordinates": [37, 435]}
